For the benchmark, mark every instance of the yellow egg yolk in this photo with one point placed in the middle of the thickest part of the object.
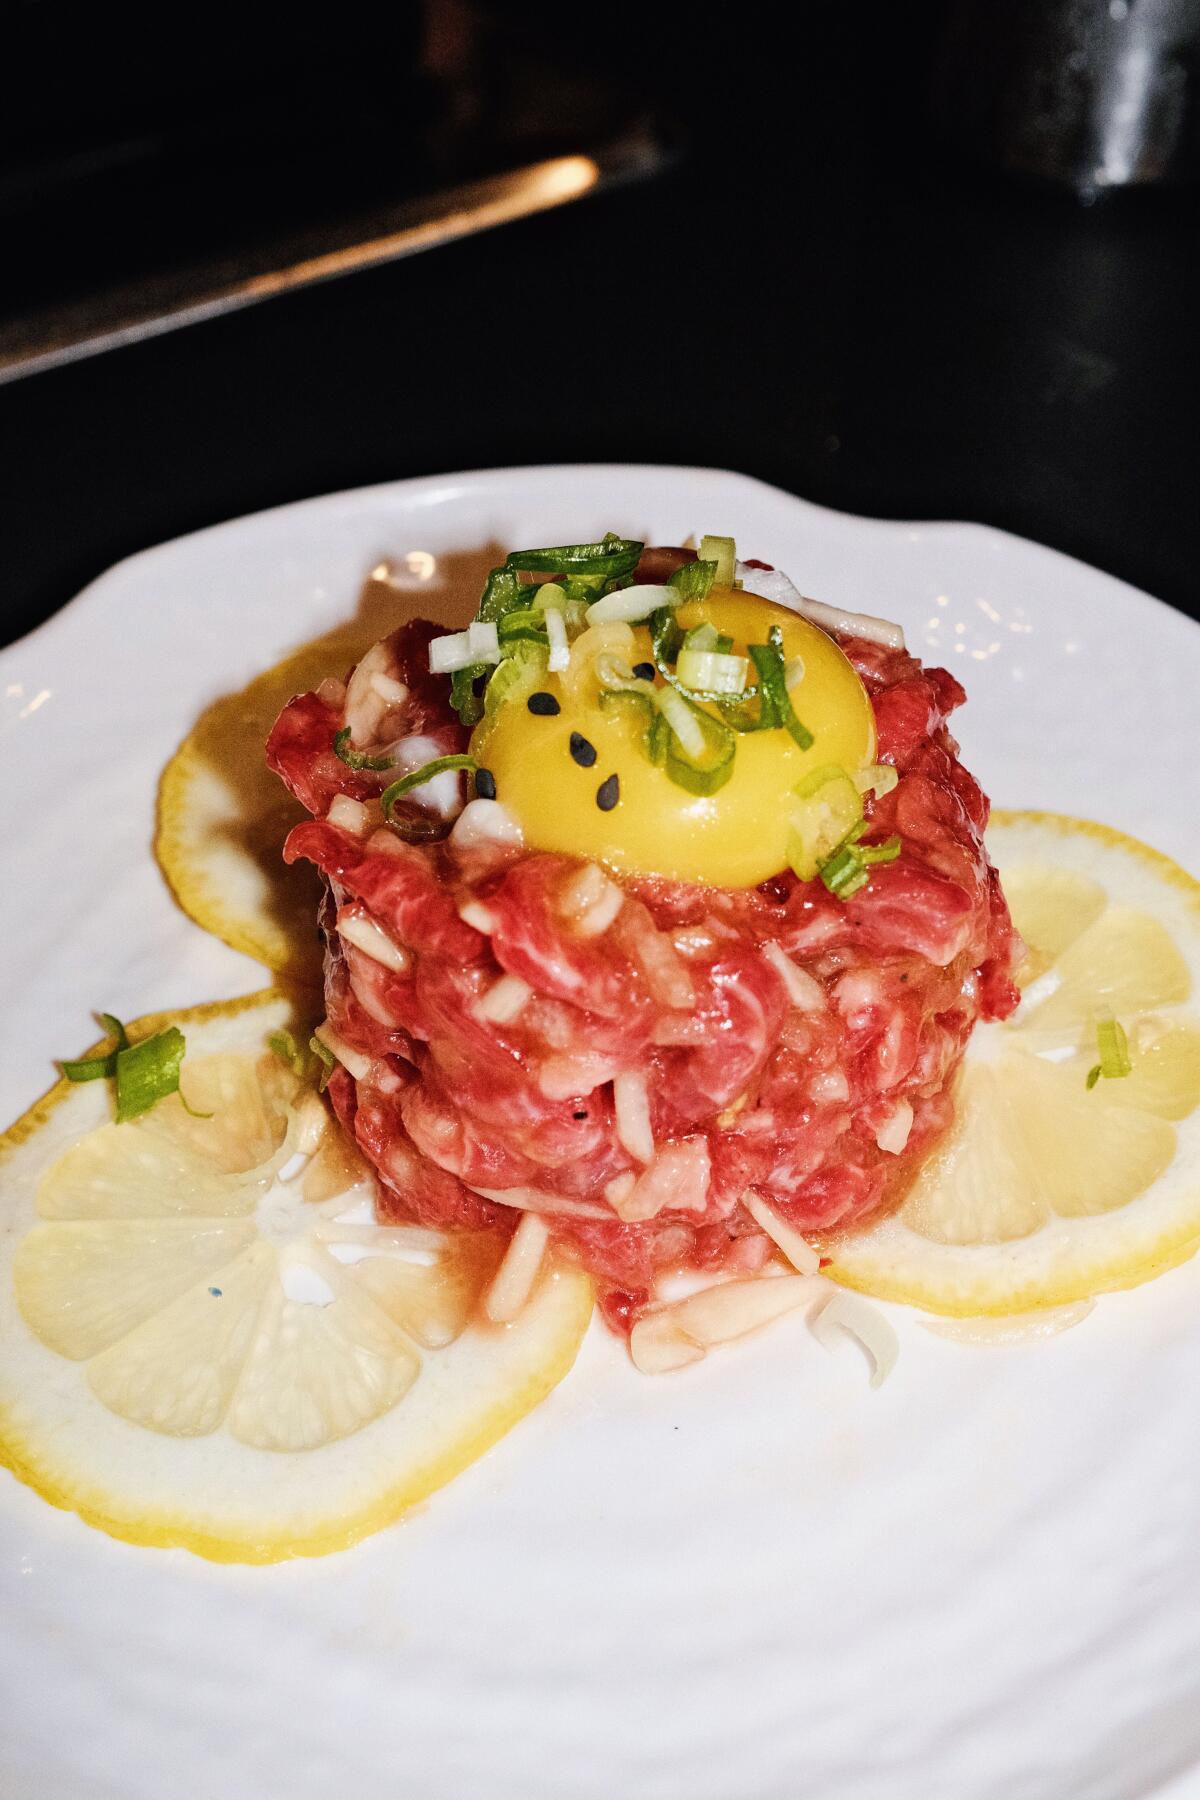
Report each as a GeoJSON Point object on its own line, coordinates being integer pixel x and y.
{"type": "Point", "coordinates": [733, 838]}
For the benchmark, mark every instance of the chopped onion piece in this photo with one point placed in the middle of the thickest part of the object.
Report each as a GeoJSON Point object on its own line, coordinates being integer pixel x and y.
{"type": "Point", "coordinates": [803, 990]}
{"type": "Point", "coordinates": [631, 604]}
{"type": "Point", "coordinates": [560, 649]}
{"type": "Point", "coordinates": [353, 1061]}
{"type": "Point", "coordinates": [592, 900]}
{"type": "Point", "coordinates": [486, 822]}
{"type": "Point", "coordinates": [514, 1279]}
{"type": "Point", "coordinates": [504, 1000]}
{"type": "Point", "coordinates": [713, 672]}
{"type": "Point", "coordinates": [876, 778]}
{"type": "Point", "coordinates": [475, 914]}
{"type": "Point", "coordinates": [677, 1181]}
{"type": "Point", "coordinates": [618, 1190]}
{"type": "Point", "coordinates": [773, 584]}
{"type": "Point", "coordinates": [793, 1243]}
{"type": "Point", "coordinates": [364, 706]}
{"type": "Point", "coordinates": [893, 1135]}
{"type": "Point", "coordinates": [860, 1320]}
{"type": "Point", "coordinates": [348, 815]}
{"type": "Point", "coordinates": [484, 640]}
{"type": "Point", "coordinates": [389, 689]}
{"type": "Point", "coordinates": [722, 551]}
{"type": "Point", "coordinates": [658, 1345]}
{"type": "Point", "coordinates": [447, 654]}
{"type": "Point", "coordinates": [681, 1332]}
{"type": "Point", "coordinates": [679, 716]}
{"type": "Point", "coordinates": [373, 941]}
{"type": "Point", "coordinates": [631, 1102]}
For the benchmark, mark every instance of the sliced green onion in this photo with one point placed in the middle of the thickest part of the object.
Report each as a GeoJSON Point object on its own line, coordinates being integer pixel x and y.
{"type": "Point", "coordinates": [712, 671]}
{"type": "Point", "coordinates": [829, 807]}
{"type": "Point", "coordinates": [777, 708]}
{"type": "Point", "coordinates": [463, 698]}
{"type": "Point", "coordinates": [98, 1068]}
{"type": "Point", "coordinates": [682, 719]}
{"type": "Point", "coordinates": [617, 676]}
{"type": "Point", "coordinates": [450, 653]}
{"type": "Point", "coordinates": [631, 604]}
{"type": "Point", "coordinates": [327, 1060]}
{"type": "Point", "coordinates": [518, 675]}
{"type": "Point", "coordinates": [484, 641]}
{"type": "Point", "coordinates": [290, 1052]}
{"type": "Point", "coordinates": [551, 594]}
{"type": "Point", "coordinates": [700, 772]}
{"type": "Point", "coordinates": [560, 648]}
{"type": "Point", "coordinates": [502, 594]}
{"type": "Point", "coordinates": [356, 759]}
{"type": "Point", "coordinates": [525, 624]}
{"type": "Point", "coordinates": [612, 558]}
{"type": "Point", "coordinates": [693, 580]}
{"type": "Point", "coordinates": [700, 637]}
{"type": "Point", "coordinates": [1115, 1060]}
{"type": "Point", "coordinates": [723, 552]}
{"type": "Point", "coordinates": [848, 869]}
{"type": "Point", "coordinates": [876, 778]}
{"type": "Point", "coordinates": [417, 778]}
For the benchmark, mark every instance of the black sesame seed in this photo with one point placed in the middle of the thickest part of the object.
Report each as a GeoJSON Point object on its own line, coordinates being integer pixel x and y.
{"type": "Point", "coordinates": [485, 784]}
{"type": "Point", "coordinates": [608, 793]}
{"type": "Point", "coordinates": [644, 671]}
{"type": "Point", "coordinates": [544, 704]}
{"type": "Point", "coordinates": [583, 752]}
{"type": "Point", "coordinates": [579, 1115]}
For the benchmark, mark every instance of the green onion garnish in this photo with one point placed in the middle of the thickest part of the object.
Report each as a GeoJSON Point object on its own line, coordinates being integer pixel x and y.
{"type": "Point", "coordinates": [848, 869]}
{"type": "Point", "coordinates": [777, 708]}
{"type": "Point", "coordinates": [694, 579]}
{"type": "Point", "coordinates": [828, 810]}
{"type": "Point", "coordinates": [327, 1060]}
{"type": "Point", "coordinates": [1115, 1059]}
{"type": "Point", "coordinates": [99, 1068]}
{"type": "Point", "coordinates": [356, 759]}
{"type": "Point", "coordinates": [612, 558]}
{"type": "Point", "coordinates": [712, 671]}
{"type": "Point", "coordinates": [145, 1072]}
{"type": "Point", "coordinates": [302, 1060]}
{"type": "Point", "coordinates": [417, 777]}
{"type": "Point", "coordinates": [723, 552]}
{"type": "Point", "coordinates": [502, 594]}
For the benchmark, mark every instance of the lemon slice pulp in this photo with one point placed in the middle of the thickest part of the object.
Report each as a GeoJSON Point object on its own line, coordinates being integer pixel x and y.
{"type": "Point", "coordinates": [1046, 1191]}
{"type": "Point", "coordinates": [205, 1338]}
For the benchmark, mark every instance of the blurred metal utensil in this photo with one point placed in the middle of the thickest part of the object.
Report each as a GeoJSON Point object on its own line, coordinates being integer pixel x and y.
{"type": "Point", "coordinates": [125, 314]}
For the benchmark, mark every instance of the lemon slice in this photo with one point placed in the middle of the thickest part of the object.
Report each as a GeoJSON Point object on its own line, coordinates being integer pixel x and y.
{"type": "Point", "coordinates": [205, 1338]}
{"type": "Point", "coordinates": [223, 815]}
{"type": "Point", "coordinates": [1046, 1191]}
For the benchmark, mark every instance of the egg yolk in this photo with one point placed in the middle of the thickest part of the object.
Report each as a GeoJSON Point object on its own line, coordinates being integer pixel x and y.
{"type": "Point", "coordinates": [547, 777]}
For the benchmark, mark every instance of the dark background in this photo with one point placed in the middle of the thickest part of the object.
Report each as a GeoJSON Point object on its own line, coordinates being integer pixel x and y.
{"type": "Point", "coordinates": [824, 286]}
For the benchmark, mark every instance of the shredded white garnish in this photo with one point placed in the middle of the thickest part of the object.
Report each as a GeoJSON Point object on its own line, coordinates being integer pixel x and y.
{"type": "Point", "coordinates": [524, 1199]}
{"type": "Point", "coordinates": [373, 941]}
{"type": "Point", "coordinates": [556, 633]}
{"type": "Point", "coordinates": [514, 1279]}
{"type": "Point", "coordinates": [475, 914]}
{"type": "Point", "coordinates": [857, 1318]}
{"type": "Point", "coordinates": [773, 584]}
{"type": "Point", "coordinates": [351, 1060]}
{"type": "Point", "coordinates": [673, 1335]}
{"type": "Point", "coordinates": [893, 1135]}
{"type": "Point", "coordinates": [631, 1103]}
{"type": "Point", "coordinates": [504, 1001]}
{"type": "Point", "coordinates": [793, 1243]}
{"type": "Point", "coordinates": [803, 990]}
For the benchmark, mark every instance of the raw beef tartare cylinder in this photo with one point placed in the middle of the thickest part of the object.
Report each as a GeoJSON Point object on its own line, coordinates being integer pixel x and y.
{"type": "Point", "coordinates": [657, 912]}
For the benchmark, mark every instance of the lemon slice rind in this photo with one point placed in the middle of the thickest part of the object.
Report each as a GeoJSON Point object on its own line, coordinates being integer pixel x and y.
{"type": "Point", "coordinates": [216, 1494]}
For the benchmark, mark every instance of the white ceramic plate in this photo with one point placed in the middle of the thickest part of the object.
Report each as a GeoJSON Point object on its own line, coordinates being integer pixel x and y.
{"type": "Point", "coordinates": [756, 1580]}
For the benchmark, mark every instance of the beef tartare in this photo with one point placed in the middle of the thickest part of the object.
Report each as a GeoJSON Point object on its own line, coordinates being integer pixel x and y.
{"type": "Point", "coordinates": [657, 911]}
